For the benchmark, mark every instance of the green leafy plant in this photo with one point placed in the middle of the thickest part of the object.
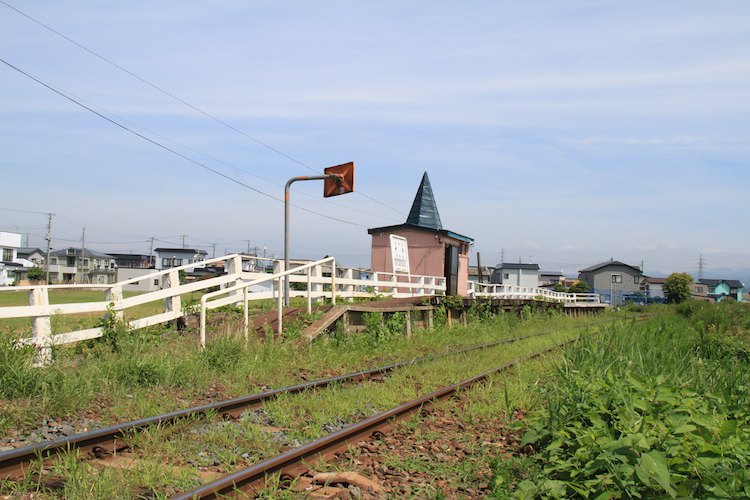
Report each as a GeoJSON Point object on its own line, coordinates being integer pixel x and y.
{"type": "Point", "coordinates": [660, 410]}
{"type": "Point", "coordinates": [114, 328]}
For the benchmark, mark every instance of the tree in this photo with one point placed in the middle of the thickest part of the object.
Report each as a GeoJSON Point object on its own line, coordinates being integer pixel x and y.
{"type": "Point", "coordinates": [579, 287]}
{"type": "Point", "coordinates": [36, 274]}
{"type": "Point", "coordinates": [677, 287]}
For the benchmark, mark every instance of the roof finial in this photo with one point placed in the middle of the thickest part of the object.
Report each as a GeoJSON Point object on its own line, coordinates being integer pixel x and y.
{"type": "Point", "coordinates": [424, 212]}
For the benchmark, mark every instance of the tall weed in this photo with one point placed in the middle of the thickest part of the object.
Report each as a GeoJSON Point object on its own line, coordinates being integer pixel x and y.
{"type": "Point", "coordinates": [644, 410]}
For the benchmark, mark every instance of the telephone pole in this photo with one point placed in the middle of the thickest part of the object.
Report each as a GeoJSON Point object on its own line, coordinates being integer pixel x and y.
{"type": "Point", "coordinates": [151, 262]}
{"type": "Point", "coordinates": [183, 236]}
{"type": "Point", "coordinates": [213, 252]}
{"type": "Point", "coordinates": [49, 241]}
{"type": "Point", "coordinates": [83, 251]}
{"type": "Point", "coordinates": [248, 246]}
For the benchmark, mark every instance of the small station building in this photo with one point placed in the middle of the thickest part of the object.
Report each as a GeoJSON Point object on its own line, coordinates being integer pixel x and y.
{"type": "Point", "coordinates": [432, 250]}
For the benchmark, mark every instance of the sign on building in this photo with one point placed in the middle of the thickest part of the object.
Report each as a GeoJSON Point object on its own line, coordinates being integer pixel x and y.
{"type": "Point", "coordinates": [400, 254]}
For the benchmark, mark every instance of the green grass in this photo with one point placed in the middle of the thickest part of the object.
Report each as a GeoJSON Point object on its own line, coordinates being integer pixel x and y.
{"type": "Point", "coordinates": [156, 370]}
{"type": "Point", "coordinates": [658, 409]}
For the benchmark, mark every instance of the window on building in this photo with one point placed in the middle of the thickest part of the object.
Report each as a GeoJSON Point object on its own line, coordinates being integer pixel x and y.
{"type": "Point", "coordinates": [698, 289]}
{"type": "Point", "coordinates": [53, 261]}
{"type": "Point", "coordinates": [712, 290]}
{"type": "Point", "coordinates": [156, 282]}
{"type": "Point", "coordinates": [85, 262]}
{"type": "Point", "coordinates": [616, 278]}
{"type": "Point", "coordinates": [7, 254]}
{"type": "Point", "coordinates": [636, 279]}
{"type": "Point", "coordinates": [166, 262]}
{"type": "Point", "coordinates": [176, 262]}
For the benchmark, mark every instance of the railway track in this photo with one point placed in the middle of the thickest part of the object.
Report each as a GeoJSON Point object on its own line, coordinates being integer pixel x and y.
{"type": "Point", "coordinates": [15, 464]}
{"type": "Point", "coordinates": [100, 442]}
{"type": "Point", "coordinates": [289, 465]}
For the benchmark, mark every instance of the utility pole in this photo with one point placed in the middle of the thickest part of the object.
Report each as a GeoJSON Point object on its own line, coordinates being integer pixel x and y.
{"type": "Point", "coordinates": [248, 246]}
{"type": "Point", "coordinates": [479, 267]}
{"type": "Point", "coordinates": [183, 236]}
{"type": "Point", "coordinates": [83, 251]}
{"type": "Point", "coordinates": [151, 262]}
{"type": "Point", "coordinates": [213, 252]}
{"type": "Point", "coordinates": [502, 255]}
{"type": "Point", "coordinates": [49, 241]}
{"type": "Point", "coordinates": [27, 240]}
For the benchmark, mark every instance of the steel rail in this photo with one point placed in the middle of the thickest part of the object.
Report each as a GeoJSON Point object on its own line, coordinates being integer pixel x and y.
{"type": "Point", "coordinates": [106, 439]}
{"type": "Point", "coordinates": [249, 480]}
{"type": "Point", "coordinates": [14, 463]}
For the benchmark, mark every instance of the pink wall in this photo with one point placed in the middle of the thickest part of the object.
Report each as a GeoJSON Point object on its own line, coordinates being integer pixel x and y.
{"type": "Point", "coordinates": [426, 254]}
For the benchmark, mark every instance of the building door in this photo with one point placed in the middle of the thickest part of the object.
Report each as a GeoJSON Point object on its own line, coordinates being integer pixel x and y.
{"type": "Point", "coordinates": [451, 270]}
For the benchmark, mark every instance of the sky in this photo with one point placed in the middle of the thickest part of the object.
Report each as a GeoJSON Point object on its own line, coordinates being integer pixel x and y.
{"type": "Point", "coordinates": [560, 132]}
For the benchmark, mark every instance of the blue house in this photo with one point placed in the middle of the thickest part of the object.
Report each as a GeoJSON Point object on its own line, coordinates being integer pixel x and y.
{"type": "Point", "coordinates": [719, 289]}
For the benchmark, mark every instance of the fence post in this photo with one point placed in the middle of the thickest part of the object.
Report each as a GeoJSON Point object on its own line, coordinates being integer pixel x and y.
{"type": "Point", "coordinates": [333, 282]}
{"type": "Point", "coordinates": [41, 327]}
{"type": "Point", "coordinates": [309, 297]}
{"type": "Point", "coordinates": [280, 302]}
{"type": "Point", "coordinates": [114, 296]}
{"type": "Point", "coordinates": [171, 281]}
{"type": "Point", "coordinates": [234, 267]}
{"type": "Point", "coordinates": [348, 289]}
{"type": "Point", "coordinates": [245, 312]}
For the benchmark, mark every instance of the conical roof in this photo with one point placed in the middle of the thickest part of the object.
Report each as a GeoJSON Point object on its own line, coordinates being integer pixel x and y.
{"type": "Point", "coordinates": [424, 212]}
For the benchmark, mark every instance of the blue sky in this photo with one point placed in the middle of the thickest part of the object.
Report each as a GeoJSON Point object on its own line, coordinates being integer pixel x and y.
{"type": "Point", "coordinates": [562, 132]}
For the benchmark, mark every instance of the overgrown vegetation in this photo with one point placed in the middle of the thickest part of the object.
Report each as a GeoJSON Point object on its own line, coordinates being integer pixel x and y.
{"type": "Point", "coordinates": [653, 410]}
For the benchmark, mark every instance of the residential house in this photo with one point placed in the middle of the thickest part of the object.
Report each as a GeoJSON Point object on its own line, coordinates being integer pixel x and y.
{"type": "Point", "coordinates": [36, 256]}
{"type": "Point", "coordinates": [9, 245]}
{"type": "Point", "coordinates": [474, 274]}
{"type": "Point", "coordinates": [720, 289]}
{"type": "Point", "coordinates": [132, 260]}
{"type": "Point", "coordinates": [612, 280]}
{"type": "Point", "coordinates": [653, 287]}
{"type": "Point", "coordinates": [81, 266]}
{"type": "Point", "coordinates": [699, 291]}
{"type": "Point", "coordinates": [166, 258]}
{"type": "Point", "coordinates": [431, 250]}
{"type": "Point", "coordinates": [508, 273]}
{"type": "Point", "coordinates": [550, 278]}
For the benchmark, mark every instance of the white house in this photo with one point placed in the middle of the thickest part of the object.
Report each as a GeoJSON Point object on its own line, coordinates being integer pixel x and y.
{"type": "Point", "coordinates": [525, 275]}
{"type": "Point", "coordinates": [9, 245]}
{"type": "Point", "coordinates": [166, 258]}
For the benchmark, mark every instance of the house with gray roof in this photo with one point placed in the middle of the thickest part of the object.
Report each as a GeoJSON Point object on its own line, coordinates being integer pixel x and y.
{"type": "Point", "coordinates": [81, 266]}
{"type": "Point", "coordinates": [612, 280]}
{"type": "Point", "coordinates": [720, 289]}
{"type": "Point", "coordinates": [516, 274]}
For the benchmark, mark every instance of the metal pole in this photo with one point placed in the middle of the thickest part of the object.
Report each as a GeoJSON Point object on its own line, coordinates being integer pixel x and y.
{"type": "Point", "coordinates": [286, 221]}
{"type": "Point", "coordinates": [49, 242]}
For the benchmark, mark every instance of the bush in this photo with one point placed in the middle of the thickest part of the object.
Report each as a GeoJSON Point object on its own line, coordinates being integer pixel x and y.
{"type": "Point", "coordinates": [659, 410]}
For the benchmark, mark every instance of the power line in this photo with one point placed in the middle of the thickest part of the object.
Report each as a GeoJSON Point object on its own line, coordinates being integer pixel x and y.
{"type": "Point", "coordinates": [180, 100]}
{"type": "Point", "coordinates": [22, 211]}
{"type": "Point", "coordinates": [166, 148]}
{"type": "Point", "coordinates": [218, 160]}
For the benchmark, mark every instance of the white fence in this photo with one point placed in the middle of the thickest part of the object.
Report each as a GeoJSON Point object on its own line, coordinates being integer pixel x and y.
{"type": "Point", "coordinates": [237, 286]}
{"type": "Point", "coordinates": [529, 293]}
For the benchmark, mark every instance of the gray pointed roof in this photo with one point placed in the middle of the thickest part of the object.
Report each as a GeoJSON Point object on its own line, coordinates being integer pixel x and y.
{"type": "Point", "coordinates": [424, 212]}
